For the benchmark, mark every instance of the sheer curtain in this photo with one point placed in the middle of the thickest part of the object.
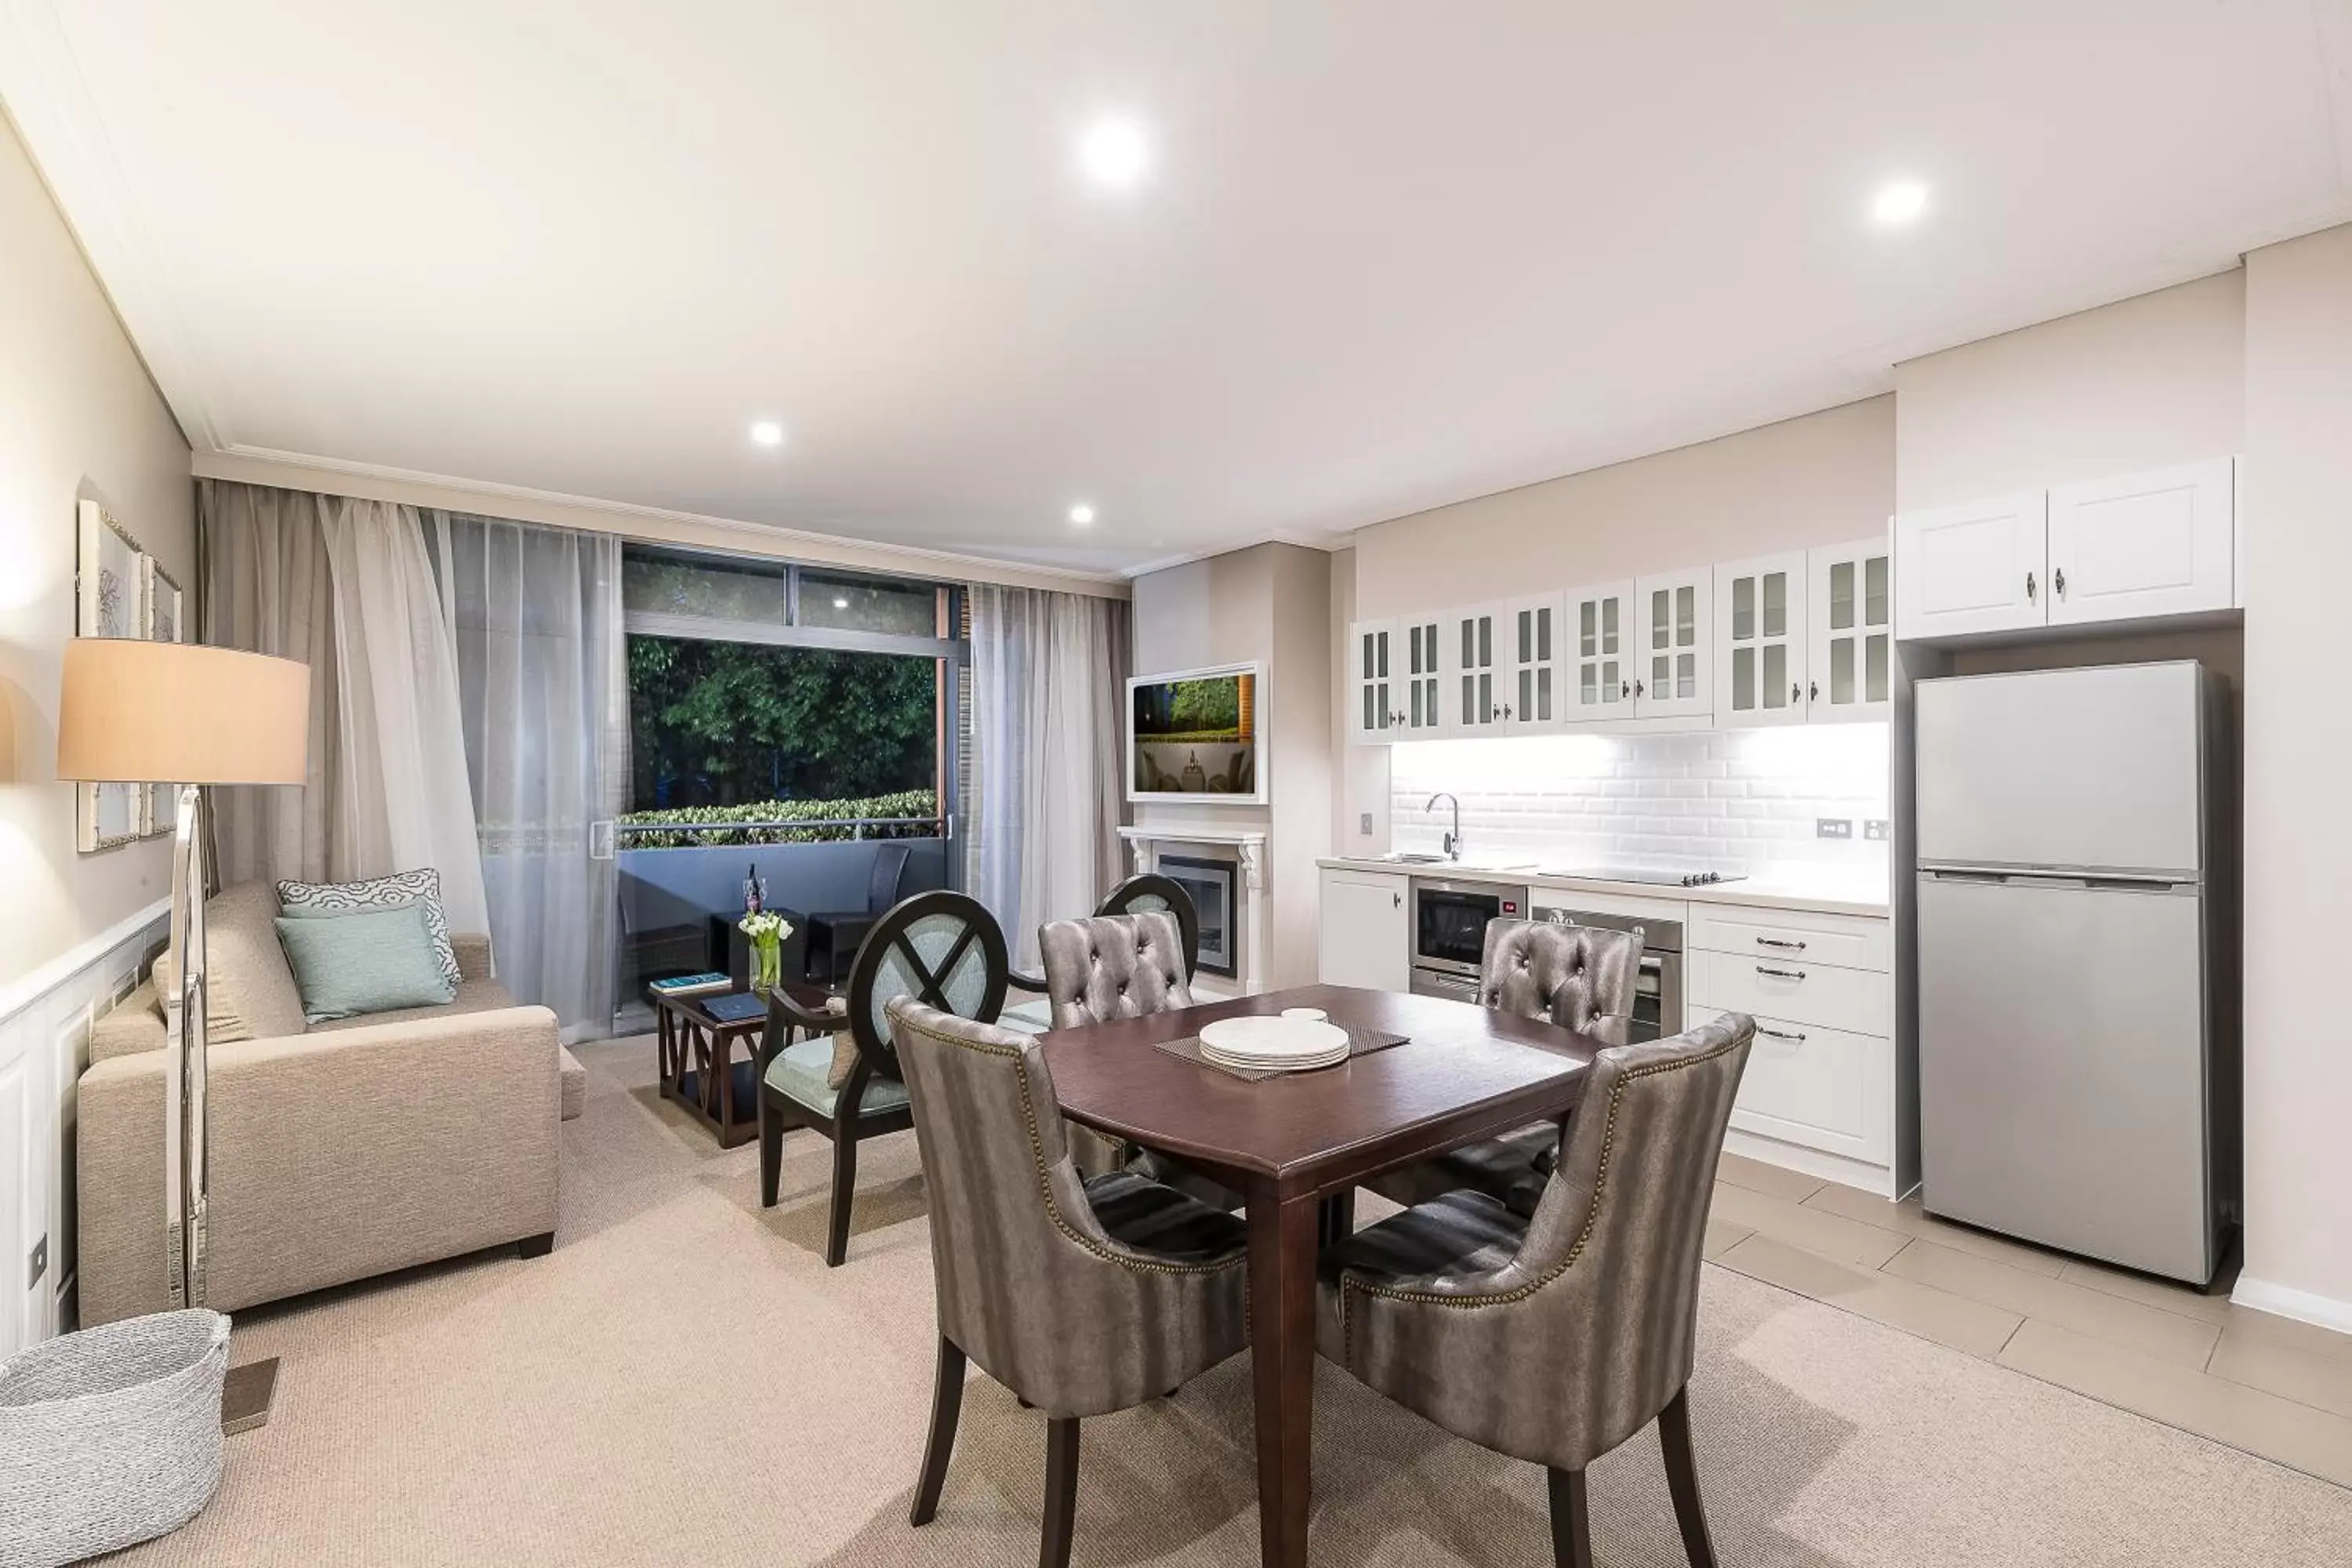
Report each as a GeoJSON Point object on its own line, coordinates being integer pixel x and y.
{"type": "Point", "coordinates": [535, 616]}
{"type": "Point", "coordinates": [347, 586]}
{"type": "Point", "coordinates": [1048, 676]}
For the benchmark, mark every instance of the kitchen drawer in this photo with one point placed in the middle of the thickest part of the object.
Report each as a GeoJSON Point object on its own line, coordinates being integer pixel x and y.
{"type": "Point", "coordinates": [1824, 1088]}
{"type": "Point", "coordinates": [1772, 986]}
{"type": "Point", "coordinates": [1849, 942]}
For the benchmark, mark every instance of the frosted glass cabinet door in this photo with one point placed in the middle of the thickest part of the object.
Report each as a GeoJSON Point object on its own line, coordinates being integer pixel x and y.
{"type": "Point", "coordinates": [1531, 665]}
{"type": "Point", "coordinates": [1599, 633]}
{"type": "Point", "coordinates": [1373, 674]}
{"type": "Point", "coordinates": [1470, 669]}
{"type": "Point", "coordinates": [1761, 634]}
{"type": "Point", "coordinates": [1850, 672]}
{"type": "Point", "coordinates": [1672, 669]}
{"type": "Point", "coordinates": [1417, 710]}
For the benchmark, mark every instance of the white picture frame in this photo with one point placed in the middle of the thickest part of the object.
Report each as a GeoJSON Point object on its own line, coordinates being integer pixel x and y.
{"type": "Point", "coordinates": [109, 601]}
{"type": "Point", "coordinates": [163, 618]}
{"type": "Point", "coordinates": [1252, 741]}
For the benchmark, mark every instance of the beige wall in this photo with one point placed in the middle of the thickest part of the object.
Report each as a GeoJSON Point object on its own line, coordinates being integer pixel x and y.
{"type": "Point", "coordinates": [1271, 603]}
{"type": "Point", "coordinates": [1824, 478]}
{"type": "Point", "coordinates": [2298, 494]}
{"type": "Point", "coordinates": [2143, 383]}
{"type": "Point", "coordinates": [79, 418]}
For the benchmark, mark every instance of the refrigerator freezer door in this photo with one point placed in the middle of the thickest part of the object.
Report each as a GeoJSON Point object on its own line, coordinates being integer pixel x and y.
{"type": "Point", "coordinates": [2084, 768]}
{"type": "Point", "coordinates": [2063, 1068]}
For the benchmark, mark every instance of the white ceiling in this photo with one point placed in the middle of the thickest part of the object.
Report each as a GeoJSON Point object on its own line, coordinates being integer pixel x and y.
{"type": "Point", "coordinates": [1386, 255]}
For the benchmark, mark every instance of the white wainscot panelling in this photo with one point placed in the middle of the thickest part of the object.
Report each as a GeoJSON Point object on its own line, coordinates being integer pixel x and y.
{"type": "Point", "coordinates": [44, 1045]}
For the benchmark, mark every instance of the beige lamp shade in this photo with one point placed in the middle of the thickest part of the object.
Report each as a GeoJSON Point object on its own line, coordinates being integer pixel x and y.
{"type": "Point", "coordinates": [160, 712]}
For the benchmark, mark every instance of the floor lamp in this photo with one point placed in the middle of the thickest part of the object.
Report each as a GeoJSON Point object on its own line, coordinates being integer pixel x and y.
{"type": "Point", "coordinates": [185, 716]}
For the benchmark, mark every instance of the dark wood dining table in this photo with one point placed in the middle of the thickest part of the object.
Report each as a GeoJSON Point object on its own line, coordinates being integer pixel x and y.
{"type": "Point", "coordinates": [1287, 1144]}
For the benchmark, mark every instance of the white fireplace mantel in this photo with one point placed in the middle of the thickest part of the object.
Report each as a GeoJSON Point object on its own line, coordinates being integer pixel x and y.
{"type": "Point", "coordinates": [1248, 845]}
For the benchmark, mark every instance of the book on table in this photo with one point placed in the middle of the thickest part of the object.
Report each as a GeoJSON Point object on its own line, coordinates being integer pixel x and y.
{"type": "Point", "coordinates": [740, 1008]}
{"type": "Point", "coordinates": [708, 983]}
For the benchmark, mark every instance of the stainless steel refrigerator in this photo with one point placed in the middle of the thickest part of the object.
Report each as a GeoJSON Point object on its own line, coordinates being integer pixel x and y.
{"type": "Point", "coordinates": [2076, 1078]}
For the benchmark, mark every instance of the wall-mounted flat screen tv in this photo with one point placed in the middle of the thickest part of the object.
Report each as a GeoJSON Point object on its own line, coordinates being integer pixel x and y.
{"type": "Point", "coordinates": [1194, 736]}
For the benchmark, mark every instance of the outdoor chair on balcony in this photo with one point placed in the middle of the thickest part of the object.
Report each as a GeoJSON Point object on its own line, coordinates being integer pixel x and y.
{"type": "Point", "coordinates": [834, 935]}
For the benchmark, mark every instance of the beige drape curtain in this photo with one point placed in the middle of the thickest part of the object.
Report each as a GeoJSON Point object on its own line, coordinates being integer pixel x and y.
{"type": "Point", "coordinates": [1048, 792]}
{"type": "Point", "coordinates": [346, 586]}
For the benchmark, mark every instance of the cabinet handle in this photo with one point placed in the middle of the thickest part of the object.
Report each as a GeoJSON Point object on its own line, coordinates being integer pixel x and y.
{"type": "Point", "coordinates": [2058, 581]}
{"type": "Point", "coordinates": [1639, 690]}
{"type": "Point", "coordinates": [1777, 941]}
{"type": "Point", "coordinates": [1796, 692]}
{"type": "Point", "coordinates": [1624, 688]}
{"type": "Point", "coordinates": [1396, 900]}
{"type": "Point", "coordinates": [1813, 691]}
{"type": "Point", "coordinates": [2029, 587]}
{"type": "Point", "coordinates": [1507, 710]}
{"type": "Point", "coordinates": [1796, 1034]}
{"type": "Point", "coordinates": [1781, 974]}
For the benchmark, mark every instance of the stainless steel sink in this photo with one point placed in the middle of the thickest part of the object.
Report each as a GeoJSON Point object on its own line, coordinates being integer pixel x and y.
{"type": "Point", "coordinates": [1413, 857]}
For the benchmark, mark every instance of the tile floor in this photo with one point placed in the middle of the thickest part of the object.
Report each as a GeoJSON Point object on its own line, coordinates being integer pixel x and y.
{"type": "Point", "coordinates": [2267, 1385]}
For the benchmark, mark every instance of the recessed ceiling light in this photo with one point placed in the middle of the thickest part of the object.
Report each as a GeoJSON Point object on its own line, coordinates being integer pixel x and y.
{"type": "Point", "coordinates": [767, 432]}
{"type": "Point", "coordinates": [1900, 202]}
{"type": "Point", "coordinates": [841, 602]}
{"type": "Point", "coordinates": [1113, 151]}
{"type": "Point", "coordinates": [1082, 514]}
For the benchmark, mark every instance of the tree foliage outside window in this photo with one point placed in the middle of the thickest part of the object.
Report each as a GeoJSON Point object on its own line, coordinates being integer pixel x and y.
{"type": "Point", "coordinates": [722, 723]}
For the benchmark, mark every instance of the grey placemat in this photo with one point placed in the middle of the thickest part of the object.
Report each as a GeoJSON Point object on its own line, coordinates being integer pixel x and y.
{"type": "Point", "coordinates": [1361, 1042]}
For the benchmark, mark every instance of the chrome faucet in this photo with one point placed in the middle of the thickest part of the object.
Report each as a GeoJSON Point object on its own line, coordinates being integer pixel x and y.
{"type": "Point", "coordinates": [1453, 839]}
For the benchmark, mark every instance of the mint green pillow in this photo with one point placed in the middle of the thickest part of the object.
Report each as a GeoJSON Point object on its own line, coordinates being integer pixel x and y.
{"type": "Point", "coordinates": [377, 960]}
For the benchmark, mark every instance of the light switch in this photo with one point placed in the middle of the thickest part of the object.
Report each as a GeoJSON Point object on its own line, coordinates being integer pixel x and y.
{"type": "Point", "coordinates": [1364, 824]}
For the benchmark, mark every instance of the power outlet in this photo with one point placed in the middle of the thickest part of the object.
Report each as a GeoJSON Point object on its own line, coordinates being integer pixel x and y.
{"type": "Point", "coordinates": [40, 1262]}
{"type": "Point", "coordinates": [1364, 824]}
{"type": "Point", "coordinates": [1876, 829]}
{"type": "Point", "coordinates": [1833, 826]}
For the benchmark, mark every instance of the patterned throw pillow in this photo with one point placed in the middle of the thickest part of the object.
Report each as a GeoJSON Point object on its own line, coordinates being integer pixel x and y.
{"type": "Point", "coordinates": [420, 887]}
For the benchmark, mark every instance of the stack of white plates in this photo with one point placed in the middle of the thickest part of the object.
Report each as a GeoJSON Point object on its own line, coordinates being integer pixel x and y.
{"type": "Point", "coordinates": [1273, 1044]}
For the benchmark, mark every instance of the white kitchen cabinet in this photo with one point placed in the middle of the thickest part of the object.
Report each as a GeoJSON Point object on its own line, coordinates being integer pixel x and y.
{"type": "Point", "coordinates": [1601, 653]}
{"type": "Point", "coordinates": [1470, 674]}
{"type": "Point", "coordinates": [1850, 664]}
{"type": "Point", "coordinates": [1531, 664]}
{"type": "Point", "coordinates": [1982, 566]}
{"type": "Point", "coordinates": [1418, 712]}
{"type": "Point", "coordinates": [1761, 634]}
{"type": "Point", "coordinates": [1673, 629]}
{"type": "Point", "coordinates": [1818, 1094]}
{"type": "Point", "coordinates": [1366, 934]}
{"type": "Point", "coordinates": [1372, 664]}
{"type": "Point", "coordinates": [2156, 543]}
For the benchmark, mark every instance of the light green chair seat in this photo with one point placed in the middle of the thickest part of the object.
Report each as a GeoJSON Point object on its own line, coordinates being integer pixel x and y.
{"type": "Point", "coordinates": [799, 1073]}
{"type": "Point", "coordinates": [1030, 1017]}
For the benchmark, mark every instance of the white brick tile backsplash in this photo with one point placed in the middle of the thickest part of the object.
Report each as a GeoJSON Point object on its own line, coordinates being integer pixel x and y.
{"type": "Point", "coordinates": [1741, 799]}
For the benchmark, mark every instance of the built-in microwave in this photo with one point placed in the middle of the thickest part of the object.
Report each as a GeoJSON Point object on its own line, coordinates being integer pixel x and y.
{"type": "Point", "coordinates": [1449, 922]}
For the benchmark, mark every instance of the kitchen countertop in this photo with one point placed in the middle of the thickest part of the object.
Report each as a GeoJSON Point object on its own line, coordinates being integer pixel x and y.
{"type": "Point", "coordinates": [1816, 893]}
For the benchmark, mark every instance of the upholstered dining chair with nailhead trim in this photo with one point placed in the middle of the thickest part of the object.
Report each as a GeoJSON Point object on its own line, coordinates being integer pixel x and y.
{"type": "Point", "coordinates": [1557, 1335]}
{"type": "Point", "coordinates": [1084, 1295]}
{"type": "Point", "coordinates": [1577, 977]}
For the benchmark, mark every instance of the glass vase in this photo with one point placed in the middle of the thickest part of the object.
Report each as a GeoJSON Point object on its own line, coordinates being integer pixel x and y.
{"type": "Point", "coordinates": [768, 952]}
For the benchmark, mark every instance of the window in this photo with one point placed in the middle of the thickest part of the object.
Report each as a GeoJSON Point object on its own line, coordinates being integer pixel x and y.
{"type": "Point", "coordinates": [754, 681]}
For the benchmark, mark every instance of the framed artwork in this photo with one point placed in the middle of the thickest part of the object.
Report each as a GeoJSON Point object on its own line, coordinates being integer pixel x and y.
{"type": "Point", "coordinates": [164, 619]}
{"type": "Point", "coordinates": [109, 601]}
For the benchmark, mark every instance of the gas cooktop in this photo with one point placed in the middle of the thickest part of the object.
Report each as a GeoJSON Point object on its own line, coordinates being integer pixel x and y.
{"type": "Point", "coordinates": [1644, 876]}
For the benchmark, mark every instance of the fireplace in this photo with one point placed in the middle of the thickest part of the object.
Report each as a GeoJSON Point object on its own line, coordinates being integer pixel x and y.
{"type": "Point", "coordinates": [1211, 883]}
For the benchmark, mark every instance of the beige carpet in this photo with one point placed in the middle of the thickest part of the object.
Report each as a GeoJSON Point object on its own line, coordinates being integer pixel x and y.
{"type": "Point", "coordinates": [682, 1382]}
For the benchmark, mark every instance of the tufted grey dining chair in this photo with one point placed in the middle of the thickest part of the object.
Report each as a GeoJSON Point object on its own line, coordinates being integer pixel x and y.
{"type": "Point", "coordinates": [1556, 1336]}
{"type": "Point", "coordinates": [1578, 977]}
{"type": "Point", "coordinates": [1082, 1294]}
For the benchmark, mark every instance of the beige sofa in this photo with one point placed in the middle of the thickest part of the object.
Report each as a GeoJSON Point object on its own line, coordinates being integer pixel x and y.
{"type": "Point", "coordinates": [338, 1150]}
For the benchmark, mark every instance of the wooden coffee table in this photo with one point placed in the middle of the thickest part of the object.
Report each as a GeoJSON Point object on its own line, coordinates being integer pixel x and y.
{"type": "Point", "coordinates": [700, 1069]}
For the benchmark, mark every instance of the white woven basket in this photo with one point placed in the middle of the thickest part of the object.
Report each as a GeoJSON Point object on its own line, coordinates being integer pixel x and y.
{"type": "Point", "coordinates": [109, 1437]}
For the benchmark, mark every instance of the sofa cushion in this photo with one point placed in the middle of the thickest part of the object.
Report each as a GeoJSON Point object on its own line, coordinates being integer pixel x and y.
{"type": "Point", "coordinates": [421, 888]}
{"type": "Point", "coordinates": [799, 1073]}
{"type": "Point", "coordinates": [250, 994]}
{"type": "Point", "coordinates": [376, 961]}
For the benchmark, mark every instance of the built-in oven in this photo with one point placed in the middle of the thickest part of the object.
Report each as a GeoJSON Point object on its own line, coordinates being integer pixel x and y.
{"type": "Point", "coordinates": [1658, 988]}
{"type": "Point", "coordinates": [1449, 929]}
